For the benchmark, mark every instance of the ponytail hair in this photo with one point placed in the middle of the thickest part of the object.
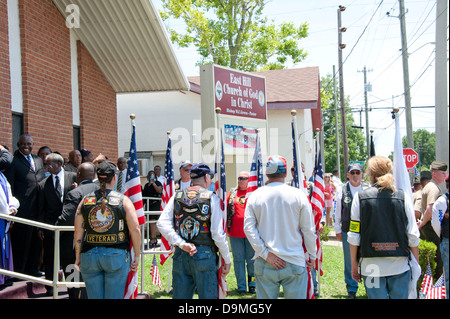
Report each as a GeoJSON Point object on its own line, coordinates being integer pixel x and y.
{"type": "Point", "coordinates": [103, 181]}
{"type": "Point", "coordinates": [381, 169]}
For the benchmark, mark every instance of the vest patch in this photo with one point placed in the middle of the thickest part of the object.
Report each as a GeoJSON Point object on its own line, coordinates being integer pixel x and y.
{"type": "Point", "coordinates": [101, 239]}
{"type": "Point", "coordinates": [354, 226]}
{"type": "Point", "coordinates": [385, 246]}
{"type": "Point", "coordinates": [90, 201]}
{"type": "Point", "coordinates": [114, 201]}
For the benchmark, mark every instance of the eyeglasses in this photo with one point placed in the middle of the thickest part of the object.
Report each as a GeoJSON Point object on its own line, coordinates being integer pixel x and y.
{"type": "Point", "coordinates": [355, 172]}
{"type": "Point", "coordinates": [242, 179]}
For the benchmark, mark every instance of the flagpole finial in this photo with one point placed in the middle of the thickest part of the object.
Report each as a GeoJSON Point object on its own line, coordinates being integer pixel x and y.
{"type": "Point", "coordinates": [371, 131]}
{"type": "Point", "coordinates": [218, 110]}
{"type": "Point", "coordinates": [132, 116]}
{"type": "Point", "coordinates": [294, 112]}
{"type": "Point", "coordinates": [395, 110]}
{"type": "Point", "coordinates": [168, 133]}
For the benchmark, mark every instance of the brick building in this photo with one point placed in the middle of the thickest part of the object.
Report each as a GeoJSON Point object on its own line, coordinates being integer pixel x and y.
{"type": "Point", "coordinates": [62, 63]}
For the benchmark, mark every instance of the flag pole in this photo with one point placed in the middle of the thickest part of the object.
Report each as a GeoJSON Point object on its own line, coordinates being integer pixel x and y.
{"type": "Point", "coordinates": [319, 264]}
{"type": "Point", "coordinates": [297, 152]}
{"type": "Point", "coordinates": [170, 259]}
{"type": "Point", "coordinates": [133, 124]}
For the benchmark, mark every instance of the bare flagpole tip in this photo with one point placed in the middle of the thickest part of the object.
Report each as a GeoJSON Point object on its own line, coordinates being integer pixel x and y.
{"type": "Point", "coordinates": [218, 110]}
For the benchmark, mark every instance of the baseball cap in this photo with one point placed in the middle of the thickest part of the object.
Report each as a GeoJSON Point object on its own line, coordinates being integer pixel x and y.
{"type": "Point", "coordinates": [276, 164]}
{"type": "Point", "coordinates": [201, 169]}
{"type": "Point", "coordinates": [354, 166]}
{"type": "Point", "coordinates": [106, 169]}
{"type": "Point", "coordinates": [244, 174]}
{"type": "Point", "coordinates": [440, 166]}
{"type": "Point", "coordinates": [185, 163]}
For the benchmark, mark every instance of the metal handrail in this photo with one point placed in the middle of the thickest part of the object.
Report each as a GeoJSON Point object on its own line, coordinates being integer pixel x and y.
{"type": "Point", "coordinates": [57, 229]}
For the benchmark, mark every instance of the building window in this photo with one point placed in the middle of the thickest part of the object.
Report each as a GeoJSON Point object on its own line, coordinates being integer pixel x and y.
{"type": "Point", "coordinates": [76, 138]}
{"type": "Point", "coordinates": [17, 128]}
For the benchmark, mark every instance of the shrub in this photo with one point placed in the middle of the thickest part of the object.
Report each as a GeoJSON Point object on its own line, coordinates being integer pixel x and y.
{"type": "Point", "coordinates": [427, 251]}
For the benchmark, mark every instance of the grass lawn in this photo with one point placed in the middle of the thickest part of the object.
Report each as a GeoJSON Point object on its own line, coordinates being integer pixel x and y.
{"type": "Point", "coordinates": [332, 285]}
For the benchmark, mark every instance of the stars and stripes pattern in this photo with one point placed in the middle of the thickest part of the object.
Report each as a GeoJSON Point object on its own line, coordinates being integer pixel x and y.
{"type": "Point", "coordinates": [256, 171]}
{"type": "Point", "coordinates": [438, 291]}
{"type": "Point", "coordinates": [427, 283]}
{"type": "Point", "coordinates": [318, 204]}
{"type": "Point", "coordinates": [154, 272]}
{"type": "Point", "coordinates": [300, 182]}
{"type": "Point", "coordinates": [134, 192]}
{"type": "Point", "coordinates": [167, 193]}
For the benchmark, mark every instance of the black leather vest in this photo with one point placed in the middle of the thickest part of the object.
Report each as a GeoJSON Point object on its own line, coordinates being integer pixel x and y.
{"type": "Point", "coordinates": [346, 205]}
{"type": "Point", "coordinates": [107, 229]}
{"type": "Point", "coordinates": [383, 223]}
{"type": "Point", "coordinates": [192, 215]}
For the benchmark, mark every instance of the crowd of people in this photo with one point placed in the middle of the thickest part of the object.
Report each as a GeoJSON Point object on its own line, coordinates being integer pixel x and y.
{"type": "Point", "coordinates": [269, 233]}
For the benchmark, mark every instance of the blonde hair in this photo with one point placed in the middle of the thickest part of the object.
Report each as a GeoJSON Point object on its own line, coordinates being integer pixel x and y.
{"type": "Point", "coordinates": [381, 169]}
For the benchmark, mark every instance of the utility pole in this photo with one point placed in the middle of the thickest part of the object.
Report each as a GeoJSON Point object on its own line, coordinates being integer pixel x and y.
{"type": "Point", "coordinates": [441, 83]}
{"type": "Point", "coordinates": [367, 88]}
{"type": "Point", "coordinates": [409, 128]}
{"type": "Point", "coordinates": [338, 157]}
{"type": "Point", "coordinates": [341, 89]}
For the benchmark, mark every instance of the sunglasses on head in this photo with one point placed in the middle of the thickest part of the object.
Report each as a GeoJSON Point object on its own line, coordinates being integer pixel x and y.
{"type": "Point", "coordinates": [355, 172]}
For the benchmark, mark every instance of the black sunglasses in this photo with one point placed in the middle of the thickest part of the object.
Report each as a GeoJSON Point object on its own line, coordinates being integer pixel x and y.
{"type": "Point", "coordinates": [355, 172]}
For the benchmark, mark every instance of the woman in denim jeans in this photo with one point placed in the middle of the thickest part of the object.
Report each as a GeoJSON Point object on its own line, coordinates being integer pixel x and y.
{"type": "Point", "coordinates": [104, 223]}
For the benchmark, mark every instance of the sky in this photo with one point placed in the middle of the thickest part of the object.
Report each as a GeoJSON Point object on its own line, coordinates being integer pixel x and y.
{"type": "Point", "coordinates": [372, 40]}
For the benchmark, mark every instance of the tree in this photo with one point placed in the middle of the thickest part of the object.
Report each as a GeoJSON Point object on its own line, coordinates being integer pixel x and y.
{"type": "Point", "coordinates": [425, 143]}
{"type": "Point", "coordinates": [355, 137]}
{"type": "Point", "coordinates": [233, 33]}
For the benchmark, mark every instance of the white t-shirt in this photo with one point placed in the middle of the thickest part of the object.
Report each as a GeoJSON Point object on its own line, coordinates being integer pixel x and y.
{"type": "Point", "coordinates": [278, 218]}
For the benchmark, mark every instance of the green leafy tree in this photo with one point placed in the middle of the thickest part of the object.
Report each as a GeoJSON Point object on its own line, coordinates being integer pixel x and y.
{"type": "Point", "coordinates": [355, 137]}
{"type": "Point", "coordinates": [234, 33]}
{"type": "Point", "coordinates": [425, 146]}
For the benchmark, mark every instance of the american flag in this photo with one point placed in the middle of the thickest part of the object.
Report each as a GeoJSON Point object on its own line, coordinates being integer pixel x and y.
{"type": "Point", "coordinates": [154, 272]}
{"type": "Point", "coordinates": [438, 290]}
{"type": "Point", "coordinates": [318, 204]}
{"type": "Point", "coordinates": [167, 193]}
{"type": "Point", "coordinates": [298, 171]}
{"type": "Point", "coordinates": [134, 192]}
{"type": "Point", "coordinates": [427, 283]}
{"type": "Point", "coordinates": [256, 171]}
{"type": "Point", "coordinates": [298, 176]}
{"type": "Point", "coordinates": [221, 192]}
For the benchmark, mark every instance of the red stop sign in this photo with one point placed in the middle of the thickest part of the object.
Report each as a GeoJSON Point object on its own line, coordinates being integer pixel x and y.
{"type": "Point", "coordinates": [410, 156]}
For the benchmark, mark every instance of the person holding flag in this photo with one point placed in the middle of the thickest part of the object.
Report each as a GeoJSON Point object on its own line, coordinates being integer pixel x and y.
{"type": "Point", "coordinates": [277, 238]}
{"type": "Point", "coordinates": [192, 221]}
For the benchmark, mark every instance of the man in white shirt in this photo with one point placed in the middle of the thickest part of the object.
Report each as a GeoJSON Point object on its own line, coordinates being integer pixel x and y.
{"type": "Point", "coordinates": [343, 204]}
{"type": "Point", "coordinates": [193, 221]}
{"type": "Point", "coordinates": [278, 219]}
{"type": "Point", "coordinates": [185, 175]}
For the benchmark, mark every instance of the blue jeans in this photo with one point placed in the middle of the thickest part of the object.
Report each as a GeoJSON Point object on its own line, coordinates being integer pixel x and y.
{"type": "Point", "coordinates": [105, 271]}
{"type": "Point", "coordinates": [197, 271]}
{"type": "Point", "coordinates": [293, 278]}
{"type": "Point", "coordinates": [352, 285]}
{"type": "Point", "coordinates": [242, 253]}
{"type": "Point", "coordinates": [444, 254]}
{"type": "Point", "coordinates": [389, 287]}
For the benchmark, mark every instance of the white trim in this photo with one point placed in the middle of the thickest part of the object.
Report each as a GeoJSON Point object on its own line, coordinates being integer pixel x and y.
{"type": "Point", "coordinates": [74, 79]}
{"type": "Point", "coordinates": [15, 56]}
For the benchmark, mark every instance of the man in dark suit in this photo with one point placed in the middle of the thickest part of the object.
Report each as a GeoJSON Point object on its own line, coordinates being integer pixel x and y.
{"type": "Point", "coordinates": [24, 175]}
{"type": "Point", "coordinates": [86, 185]}
{"type": "Point", "coordinates": [53, 190]}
